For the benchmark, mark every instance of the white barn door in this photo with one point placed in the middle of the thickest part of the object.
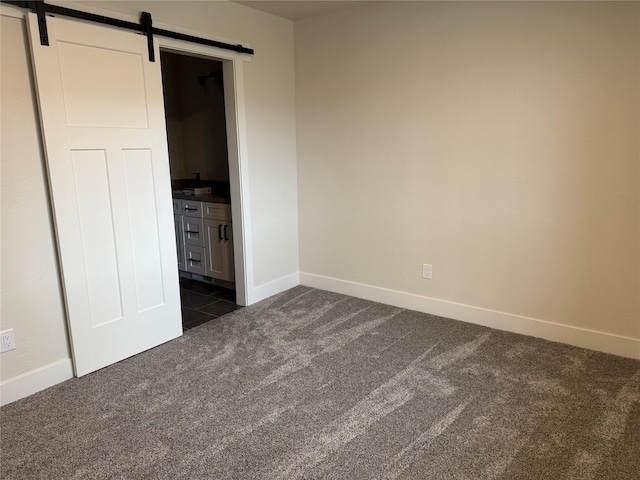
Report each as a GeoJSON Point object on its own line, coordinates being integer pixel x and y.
{"type": "Point", "coordinates": [102, 116]}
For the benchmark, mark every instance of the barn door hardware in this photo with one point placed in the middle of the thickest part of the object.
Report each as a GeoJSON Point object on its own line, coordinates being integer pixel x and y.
{"type": "Point", "coordinates": [147, 23]}
{"type": "Point", "coordinates": [42, 22]}
{"type": "Point", "coordinates": [145, 26]}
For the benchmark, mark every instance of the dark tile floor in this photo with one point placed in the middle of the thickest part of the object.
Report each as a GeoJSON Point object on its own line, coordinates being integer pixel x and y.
{"type": "Point", "coordinates": [202, 302]}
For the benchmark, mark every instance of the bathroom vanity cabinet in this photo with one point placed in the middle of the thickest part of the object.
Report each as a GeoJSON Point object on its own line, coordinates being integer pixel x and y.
{"type": "Point", "coordinates": [204, 238]}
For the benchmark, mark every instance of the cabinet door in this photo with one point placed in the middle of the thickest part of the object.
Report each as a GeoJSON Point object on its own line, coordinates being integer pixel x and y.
{"type": "Point", "coordinates": [177, 220]}
{"type": "Point", "coordinates": [217, 251]}
{"type": "Point", "coordinates": [196, 260]}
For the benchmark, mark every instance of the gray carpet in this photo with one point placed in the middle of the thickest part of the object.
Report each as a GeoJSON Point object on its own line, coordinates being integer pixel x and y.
{"type": "Point", "coordinates": [311, 384]}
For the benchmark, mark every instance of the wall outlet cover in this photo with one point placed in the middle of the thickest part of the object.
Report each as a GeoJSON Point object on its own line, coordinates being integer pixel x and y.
{"type": "Point", "coordinates": [7, 341]}
{"type": "Point", "coordinates": [426, 271]}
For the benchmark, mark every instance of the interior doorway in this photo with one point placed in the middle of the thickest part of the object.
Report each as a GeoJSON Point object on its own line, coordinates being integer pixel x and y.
{"type": "Point", "coordinates": [194, 100]}
{"type": "Point", "coordinates": [237, 145]}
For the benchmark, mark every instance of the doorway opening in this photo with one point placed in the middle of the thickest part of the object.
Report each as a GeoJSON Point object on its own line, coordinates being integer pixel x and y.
{"type": "Point", "coordinates": [194, 99]}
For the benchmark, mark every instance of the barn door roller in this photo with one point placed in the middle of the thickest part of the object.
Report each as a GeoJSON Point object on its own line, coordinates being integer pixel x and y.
{"type": "Point", "coordinates": [42, 22]}
{"type": "Point", "coordinates": [145, 26]}
{"type": "Point", "coordinates": [147, 23]}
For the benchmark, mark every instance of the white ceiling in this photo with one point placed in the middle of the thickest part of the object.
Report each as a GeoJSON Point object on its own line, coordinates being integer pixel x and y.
{"type": "Point", "coordinates": [295, 9]}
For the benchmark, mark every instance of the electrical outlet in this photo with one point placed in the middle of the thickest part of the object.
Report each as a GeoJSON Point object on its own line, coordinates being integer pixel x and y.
{"type": "Point", "coordinates": [426, 271]}
{"type": "Point", "coordinates": [7, 341]}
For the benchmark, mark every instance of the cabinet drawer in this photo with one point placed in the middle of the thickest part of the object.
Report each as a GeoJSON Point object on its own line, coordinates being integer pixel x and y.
{"type": "Point", "coordinates": [193, 234]}
{"type": "Point", "coordinates": [216, 211]}
{"type": "Point", "coordinates": [191, 208]}
{"type": "Point", "coordinates": [195, 260]}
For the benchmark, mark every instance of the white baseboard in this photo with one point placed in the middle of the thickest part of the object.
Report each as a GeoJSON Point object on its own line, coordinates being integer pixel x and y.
{"type": "Point", "coordinates": [35, 380]}
{"type": "Point", "coordinates": [276, 286]}
{"type": "Point", "coordinates": [556, 332]}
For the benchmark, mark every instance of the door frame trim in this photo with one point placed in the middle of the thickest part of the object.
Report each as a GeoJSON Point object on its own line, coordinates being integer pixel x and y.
{"type": "Point", "coordinates": [235, 112]}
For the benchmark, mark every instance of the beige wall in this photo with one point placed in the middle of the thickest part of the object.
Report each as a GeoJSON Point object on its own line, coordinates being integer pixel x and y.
{"type": "Point", "coordinates": [497, 141]}
{"type": "Point", "coordinates": [31, 297]}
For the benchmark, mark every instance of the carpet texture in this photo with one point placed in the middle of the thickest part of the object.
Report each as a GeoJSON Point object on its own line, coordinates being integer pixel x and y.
{"type": "Point", "coordinates": [316, 385]}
